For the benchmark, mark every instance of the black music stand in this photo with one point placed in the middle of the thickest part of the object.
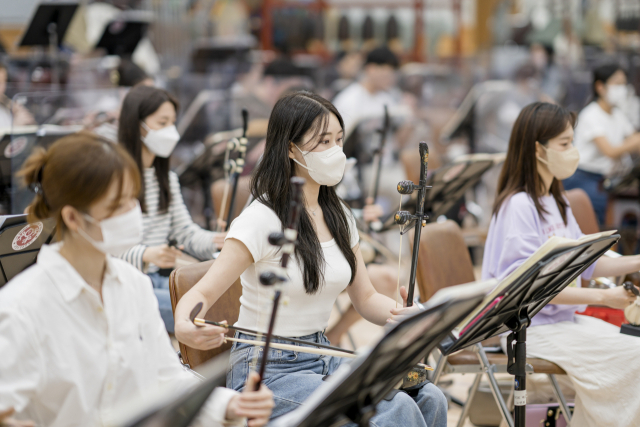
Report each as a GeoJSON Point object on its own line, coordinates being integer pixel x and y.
{"type": "Point", "coordinates": [167, 410]}
{"type": "Point", "coordinates": [47, 28]}
{"type": "Point", "coordinates": [357, 387]}
{"type": "Point", "coordinates": [512, 307]}
{"type": "Point", "coordinates": [49, 24]}
{"type": "Point", "coordinates": [122, 35]}
{"type": "Point", "coordinates": [448, 185]}
{"type": "Point", "coordinates": [20, 243]}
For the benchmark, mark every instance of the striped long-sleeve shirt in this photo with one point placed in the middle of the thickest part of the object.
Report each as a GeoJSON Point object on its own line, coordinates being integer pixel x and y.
{"type": "Point", "coordinates": [175, 224]}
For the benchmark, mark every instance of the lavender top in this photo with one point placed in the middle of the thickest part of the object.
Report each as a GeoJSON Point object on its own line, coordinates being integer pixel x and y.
{"type": "Point", "coordinates": [516, 232]}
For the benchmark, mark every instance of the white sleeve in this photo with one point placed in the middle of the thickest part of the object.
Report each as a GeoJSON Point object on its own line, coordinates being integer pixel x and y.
{"type": "Point", "coordinates": [252, 227]}
{"type": "Point", "coordinates": [214, 411]}
{"type": "Point", "coordinates": [591, 128]}
{"type": "Point", "coordinates": [171, 372]}
{"type": "Point", "coordinates": [21, 361]}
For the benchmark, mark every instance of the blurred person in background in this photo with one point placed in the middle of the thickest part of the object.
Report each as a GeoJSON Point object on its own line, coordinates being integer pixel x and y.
{"type": "Point", "coordinates": [495, 114]}
{"type": "Point", "coordinates": [376, 88]}
{"type": "Point", "coordinates": [259, 98]}
{"type": "Point", "coordinates": [345, 70]}
{"type": "Point", "coordinates": [147, 130]}
{"type": "Point", "coordinates": [11, 114]}
{"type": "Point", "coordinates": [130, 74]}
{"type": "Point", "coordinates": [604, 136]}
{"type": "Point", "coordinates": [542, 58]}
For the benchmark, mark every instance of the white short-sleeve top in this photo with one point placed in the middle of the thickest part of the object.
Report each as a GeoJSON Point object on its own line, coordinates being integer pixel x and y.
{"type": "Point", "coordinates": [303, 314]}
{"type": "Point", "coordinates": [594, 122]}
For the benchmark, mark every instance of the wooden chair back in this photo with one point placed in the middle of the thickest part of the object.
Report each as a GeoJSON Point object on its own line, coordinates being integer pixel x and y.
{"type": "Point", "coordinates": [226, 308]}
{"type": "Point", "coordinates": [217, 194]}
{"type": "Point", "coordinates": [443, 259]}
{"type": "Point", "coordinates": [583, 210]}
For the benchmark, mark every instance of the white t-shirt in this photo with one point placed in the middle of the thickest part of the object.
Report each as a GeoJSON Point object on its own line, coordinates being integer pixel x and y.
{"type": "Point", "coordinates": [594, 122]}
{"type": "Point", "coordinates": [304, 314]}
{"type": "Point", "coordinates": [355, 103]}
{"type": "Point", "coordinates": [73, 359]}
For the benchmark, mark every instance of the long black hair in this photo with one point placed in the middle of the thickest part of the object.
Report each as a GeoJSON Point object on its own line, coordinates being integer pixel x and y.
{"type": "Point", "coordinates": [292, 117]}
{"type": "Point", "coordinates": [141, 102]}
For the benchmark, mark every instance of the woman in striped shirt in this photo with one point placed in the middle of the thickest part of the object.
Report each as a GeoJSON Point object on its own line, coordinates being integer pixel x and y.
{"type": "Point", "coordinates": [147, 130]}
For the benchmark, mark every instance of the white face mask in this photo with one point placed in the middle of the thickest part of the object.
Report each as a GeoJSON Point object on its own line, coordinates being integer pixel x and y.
{"type": "Point", "coordinates": [161, 142]}
{"type": "Point", "coordinates": [325, 167]}
{"type": "Point", "coordinates": [119, 233]}
{"type": "Point", "coordinates": [616, 95]}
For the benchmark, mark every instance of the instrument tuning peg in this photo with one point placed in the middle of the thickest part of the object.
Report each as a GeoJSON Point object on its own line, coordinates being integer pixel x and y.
{"type": "Point", "coordinates": [402, 217]}
{"type": "Point", "coordinates": [277, 239]}
{"type": "Point", "coordinates": [406, 187]}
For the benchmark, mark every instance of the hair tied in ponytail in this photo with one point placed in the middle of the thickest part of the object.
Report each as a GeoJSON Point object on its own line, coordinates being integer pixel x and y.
{"type": "Point", "coordinates": [36, 185]}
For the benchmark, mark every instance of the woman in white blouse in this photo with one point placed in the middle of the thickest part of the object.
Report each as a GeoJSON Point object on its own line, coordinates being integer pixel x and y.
{"type": "Point", "coordinates": [80, 333]}
{"type": "Point", "coordinates": [147, 130]}
{"type": "Point", "coordinates": [604, 136]}
{"type": "Point", "coordinates": [304, 138]}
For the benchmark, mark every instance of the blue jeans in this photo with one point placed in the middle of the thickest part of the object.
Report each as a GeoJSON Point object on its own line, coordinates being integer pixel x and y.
{"type": "Point", "coordinates": [161, 289]}
{"type": "Point", "coordinates": [293, 377]}
{"type": "Point", "coordinates": [591, 183]}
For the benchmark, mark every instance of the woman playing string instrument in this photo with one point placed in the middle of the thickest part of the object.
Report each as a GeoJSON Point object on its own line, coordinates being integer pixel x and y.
{"type": "Point", "coordinates": [304, 138]}
{"type": "Point", "coordinates": [80, 333]}
{"type": "Point", "coordinates": [530, 208]}
{"type": "Point", "coordinates": [147, 130]}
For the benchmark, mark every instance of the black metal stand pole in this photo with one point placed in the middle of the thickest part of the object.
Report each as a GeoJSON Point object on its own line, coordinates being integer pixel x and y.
{"type": "Point", "coordinates": [517, 364]}
{"type": "Point", "coordinates": [520, 390]}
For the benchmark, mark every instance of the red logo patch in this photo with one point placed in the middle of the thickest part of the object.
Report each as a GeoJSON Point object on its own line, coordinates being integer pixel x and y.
{"type": "Point", "coordinates": [27, 236]}
{"type": "Point", "coordinates": [15, 147]}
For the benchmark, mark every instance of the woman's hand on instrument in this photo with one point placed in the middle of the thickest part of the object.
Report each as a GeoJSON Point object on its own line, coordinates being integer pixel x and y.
{"type": "Point", "coordinates": [254, 405]}
{"type": "Point", "coordinates": [203, 337]}
{"type": "Point", "coordinates": [399, 314]}
{"type": "Point", "coordinates": [7, 421]}
{"type": "Point", "coordinates": [618, 297]}
{"type": "Point", "coordinates": [218, 239]}
{"type": "Point", "coordinates": [372, 212]}
{"type": "Point", "coordinates": [164, 256]}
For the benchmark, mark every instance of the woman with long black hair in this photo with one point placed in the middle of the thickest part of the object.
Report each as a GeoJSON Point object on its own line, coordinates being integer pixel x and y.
{"type": "Point", "coordinates": [147, 130]}
{"type": "Point", "coordinates": [530, 208]}
{"type": "Point", "coordinates": [304, 138]}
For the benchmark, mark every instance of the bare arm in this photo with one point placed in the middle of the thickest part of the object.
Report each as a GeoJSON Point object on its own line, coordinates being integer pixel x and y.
{"type": "Point", "coordinates": [617, 297]}
{"type": "Point", "coordinates": [607, 267]}
{"type": "Point", "coordinates": [371, 305]}
{"type": "Point", "coordinates": [234, 259]}
{"type": "Point", "coordinates": [614, 298]}
{"type": "Point", "coordinates": [630, 144]}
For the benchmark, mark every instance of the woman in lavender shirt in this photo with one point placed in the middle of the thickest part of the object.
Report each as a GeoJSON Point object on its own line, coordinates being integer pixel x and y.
{"type": "Point", "coordinates": [603, 364]}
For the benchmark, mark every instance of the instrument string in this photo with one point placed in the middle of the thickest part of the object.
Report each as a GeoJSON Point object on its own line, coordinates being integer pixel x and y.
{"type": "Point", "coordinates": [399, 256]}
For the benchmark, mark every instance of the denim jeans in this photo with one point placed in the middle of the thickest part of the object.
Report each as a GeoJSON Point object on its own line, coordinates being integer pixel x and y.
{"type": "Point", "coordinates": [294, 376]}
{"type": "Point", "coordinates": [161, 289]}
{"type": "Point", "coordinates": [591, 183]}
